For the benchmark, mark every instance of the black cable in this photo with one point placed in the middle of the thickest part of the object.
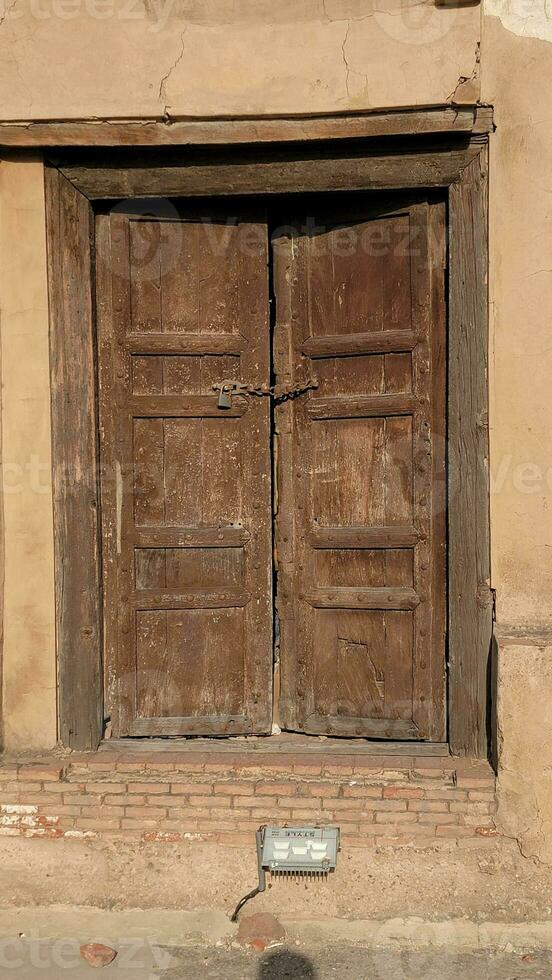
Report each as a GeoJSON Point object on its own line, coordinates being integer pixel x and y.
{"type": "Point", "coordinates": [241, 903]}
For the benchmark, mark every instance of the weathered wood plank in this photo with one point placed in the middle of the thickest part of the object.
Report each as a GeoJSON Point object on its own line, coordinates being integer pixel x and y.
{"type": "Point", "coordinates": [74, 447]}
{"type": "Point", "coordinates": [370, 727]}
{"type": "Point", "coordinates": [190, 537]}
{"type": "Point", "coordinates": [470, 600]}
{"type": "Point", "coordinates": [350, 598]}
{"type": "Point", "coordinates": [182, 132]}
{"type": "Point", "coordinates": [349, 345]}
{"type": "Point", "coordinates": [360, 406]}
{"type": "Point", "coordinates": [363, 537]}
{"type": "Point", "coordinates": [362, 170]}
{"type": "Point", "coordinates": [186, 406]}
{"type": "Point", "coordinates": [190, 725]}
{"type": "Point", "coordinates": [185, 343]}
{"type": "Point", "coordinates": [191, 599]}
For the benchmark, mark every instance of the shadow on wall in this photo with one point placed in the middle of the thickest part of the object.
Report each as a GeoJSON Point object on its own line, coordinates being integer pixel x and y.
{"type": "Point", "coordinates": [284, 964]}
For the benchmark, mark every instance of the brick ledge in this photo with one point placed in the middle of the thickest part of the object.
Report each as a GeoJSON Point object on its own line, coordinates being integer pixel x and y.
{"type": "Point", "coordinates": [108, 795]}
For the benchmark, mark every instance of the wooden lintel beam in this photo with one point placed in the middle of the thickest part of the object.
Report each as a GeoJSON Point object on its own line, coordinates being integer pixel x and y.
{"type": "Point", "coordinates": [196, 132]}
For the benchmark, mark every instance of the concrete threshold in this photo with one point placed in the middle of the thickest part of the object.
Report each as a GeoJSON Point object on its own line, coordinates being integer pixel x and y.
{"type": "Point", "coordinates": [170, 928]}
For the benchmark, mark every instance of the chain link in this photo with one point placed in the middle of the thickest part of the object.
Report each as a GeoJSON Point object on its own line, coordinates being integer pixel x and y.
{"type": "Point", "coordinates": [279, 392]}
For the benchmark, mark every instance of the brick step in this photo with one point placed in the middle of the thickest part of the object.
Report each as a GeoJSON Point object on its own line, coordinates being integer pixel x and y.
{"type": "Point", "coordinates": [152, 800]}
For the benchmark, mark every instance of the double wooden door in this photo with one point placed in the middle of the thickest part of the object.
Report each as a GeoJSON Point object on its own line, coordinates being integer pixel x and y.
{"type": "Point", "coordinates": [299, 535]}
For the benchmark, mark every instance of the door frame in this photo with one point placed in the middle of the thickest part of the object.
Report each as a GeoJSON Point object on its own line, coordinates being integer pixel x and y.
{"type": "Point", "coordinates": [268, 157]}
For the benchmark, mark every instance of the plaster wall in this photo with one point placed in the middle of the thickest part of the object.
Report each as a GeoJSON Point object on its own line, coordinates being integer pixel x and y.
{"type": "Point", "coordinates": [29, 665]}
{"type": "Point", "coordinates": [516, 78]}
{"type": "Point", "coordinates": [81, 58]}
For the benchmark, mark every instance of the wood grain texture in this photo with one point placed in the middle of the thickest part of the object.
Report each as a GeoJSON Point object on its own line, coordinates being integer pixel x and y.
{"type": "Point", "coordinates": [360, 406]}
{"type": "Point", "coordinates": [188, 132]}
{"type": "Point", "coordinates": [358, 598]}
{"type": "Point", "coordinates": [70, 234]}
{"type": "Point", "coordinates": [470, 600]}
{"type": "Point", "coordinates": [151, 342]}
{"type": "Point", "coordinates": [187, 538]}
{"type": "Point", "coordinates": [274, 173]}
{"type": "Point", "coordinates": [343, 598]}
{"type": "Point", "coordinates": [363, 537]}
{"type": "Point", "coordinates": [349, 345]}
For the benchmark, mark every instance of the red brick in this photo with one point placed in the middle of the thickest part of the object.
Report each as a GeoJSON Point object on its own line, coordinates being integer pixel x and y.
{"type": "Point", "coordinates": [210, 801]}
{"type": "Point", "coordinates": [98, 825]}
{"type": "Point", "coordinates": [338, 771]}
{"type": "Point", "coordinates": [429, 806]}
{"type": "Point", "coordinates": [84, 799]}
{"type": "Point", "coordinates": [147, 788]}
{"type": "Point", "coordinates": [188, 813]}
{"type": "Point", "coordinates": [395, 817]}
{"type": "Point", "coordinates": [103, 764]}
{"type": "Point", "coordinates": [278, 814]}
{"type": "Point", "coordinates": [291, 801]}
{"type": "Point", "coordinates": [278, 789]}
{"type": "Point", "coordinates": [191, 789]}
{"type": "Point", "coordinates": [42, 773]}
{"type": "Point", "coordinates": [402, 793]}
{"type": "Point", "coordinates": [437, 818]}
{"type": "Point", "coordinates": [350, 804]}
{"type": "Point", "coordinates": [126, 799]}
{"type": "Point", "coordinates": [267, 801]}
{"type": "Point", "coordinates": [23, 788]}
{"type": "Point", "coordinates": [475, 782]}
{"type": "Point", "coordinates": [448, 795]}
{"type": "Point", "coordinates": [99, 812]}
{"type": "Point", "coordinates": [364, 792]}
{"type": "Point", "coordinates": [129, 824]}
{"type": "Point", "coordinates": [478, 796]}
{"type": "Point", "coordinates": [137, 812]}
{"type": "Point", "coordinates": [314, 770]}
{"type": "Point", "coordinates": [427, 773]}
{"type": "Point", "coordinates": [60, 810]}
{"type": "Point", "coordinates": [235, 789]}
{"type": "Point", "coordinates": [308, 816]}
{"type": "Point", "coordinates": [103, 788]}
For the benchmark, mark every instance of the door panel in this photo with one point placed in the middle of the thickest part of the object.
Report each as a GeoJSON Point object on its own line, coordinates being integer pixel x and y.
{"type": "Point", "coordinates": [361, 506]}
{"type": "Point", "coordinates": [186, 496]}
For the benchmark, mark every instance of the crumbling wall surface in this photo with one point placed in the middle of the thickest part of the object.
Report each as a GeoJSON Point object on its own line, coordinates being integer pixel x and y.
{"type": "Point", "coordinates": [525, 743]}
{"type": "Point", "coordinates": [517, 80]}
{"type": "Point", "coordinates": [29, 666]}
{"type": "Point", "coordinates": [107, 58]}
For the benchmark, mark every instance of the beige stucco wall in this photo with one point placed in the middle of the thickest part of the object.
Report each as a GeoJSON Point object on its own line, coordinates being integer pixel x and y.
{"type": "Point", "coordinates": [516, 76]}
{"type": "Point", "coordinates": [71, 58]}
{"type": "Point", "coordinates": [29, 674]}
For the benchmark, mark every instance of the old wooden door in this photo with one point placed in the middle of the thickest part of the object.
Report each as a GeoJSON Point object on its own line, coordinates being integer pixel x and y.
{"type": "Point", "coordinates": [186, 497]}
{"type": "Point", "coordinates": [361, 500]}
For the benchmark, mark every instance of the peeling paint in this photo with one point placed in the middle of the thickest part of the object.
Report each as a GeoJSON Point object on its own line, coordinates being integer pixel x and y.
{"type": "Point", "coordinates": [526, 18]}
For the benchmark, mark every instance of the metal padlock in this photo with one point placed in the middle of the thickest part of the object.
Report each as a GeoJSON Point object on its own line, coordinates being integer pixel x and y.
{"type": "Point", "coordinates": [225, 397]}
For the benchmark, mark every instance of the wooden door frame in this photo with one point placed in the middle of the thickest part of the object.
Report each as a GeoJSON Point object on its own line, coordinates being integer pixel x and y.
{"type": "Point", "coordinates": [230, 157]}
